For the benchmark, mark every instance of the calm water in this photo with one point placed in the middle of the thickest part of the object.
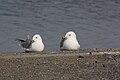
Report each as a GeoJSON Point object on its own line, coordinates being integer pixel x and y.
{"type": "Point", "coordinates": [96, 22]}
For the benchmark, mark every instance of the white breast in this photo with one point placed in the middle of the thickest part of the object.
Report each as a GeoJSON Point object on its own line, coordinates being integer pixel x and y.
{"type": "Point", "coordinates": [71, 44]}
{"type": "Point", "coordinates": [37, 46]}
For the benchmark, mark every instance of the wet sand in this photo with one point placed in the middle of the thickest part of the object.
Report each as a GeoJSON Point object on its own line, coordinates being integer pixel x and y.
{"type": "Point", "coordinates": [86, 64]}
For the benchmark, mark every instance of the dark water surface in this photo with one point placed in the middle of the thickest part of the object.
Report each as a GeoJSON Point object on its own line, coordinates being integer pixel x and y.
{"type": "Point", "coordinates": [96, 22]}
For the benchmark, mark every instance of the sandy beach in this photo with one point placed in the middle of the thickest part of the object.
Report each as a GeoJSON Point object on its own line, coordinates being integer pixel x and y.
{"type": "Point", "coordinates": [86, 64]}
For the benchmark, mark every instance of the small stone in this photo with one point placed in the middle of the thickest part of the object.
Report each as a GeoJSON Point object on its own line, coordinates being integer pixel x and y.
{"type": "Point", "coordinates": [90, 53]}
{"type": "Point", "coordinates": [103, 65]}
{"type": "Point", "coordinates": [80, 57]}
{"type": "Point", "coordinates": [96, 62]}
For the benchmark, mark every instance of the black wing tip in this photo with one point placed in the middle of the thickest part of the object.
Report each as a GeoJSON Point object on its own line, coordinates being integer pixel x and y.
{"type": "Point", "coordinates": [19, 40]}
{"type": "Point", "coordinates": [62, 42]}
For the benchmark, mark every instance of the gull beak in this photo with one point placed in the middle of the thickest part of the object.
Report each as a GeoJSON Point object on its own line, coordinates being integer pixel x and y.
{"type": "Point", "coordinates": [64, 38]}
{"type": "Point", "coordinates": [32, 41]}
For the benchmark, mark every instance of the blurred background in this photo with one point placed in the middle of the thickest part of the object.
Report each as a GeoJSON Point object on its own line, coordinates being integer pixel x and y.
{"type": "Point", "coordinates": [96, 22]}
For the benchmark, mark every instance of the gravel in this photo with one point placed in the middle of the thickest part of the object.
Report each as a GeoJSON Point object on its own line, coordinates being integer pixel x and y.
{"type": "Point", "coordinates": [59, 66]}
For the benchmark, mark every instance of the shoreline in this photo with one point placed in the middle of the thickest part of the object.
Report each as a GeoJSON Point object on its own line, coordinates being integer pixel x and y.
{"type": "Point", "coordinates": [81, 52]}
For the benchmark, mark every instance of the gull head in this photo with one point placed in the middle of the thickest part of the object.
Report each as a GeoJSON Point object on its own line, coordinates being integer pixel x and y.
{"type": "Point", "coordinates": [36, 38]}
{"type": "Point", "coordinates": [70, 35]}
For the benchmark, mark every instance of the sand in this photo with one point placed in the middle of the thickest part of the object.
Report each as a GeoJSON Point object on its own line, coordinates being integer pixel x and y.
{"type": "Point", "coordinates": [86, 64]}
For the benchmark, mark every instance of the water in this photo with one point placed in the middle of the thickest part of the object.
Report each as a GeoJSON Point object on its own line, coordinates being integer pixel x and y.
{"type": "Point", "coordinates": [96, 22]}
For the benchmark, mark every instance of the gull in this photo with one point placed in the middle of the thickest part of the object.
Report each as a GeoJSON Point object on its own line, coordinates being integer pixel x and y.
{"type": "Point", "coordinates": [69, 42]}
{"type": "Point", "coordinates": [34, 44]}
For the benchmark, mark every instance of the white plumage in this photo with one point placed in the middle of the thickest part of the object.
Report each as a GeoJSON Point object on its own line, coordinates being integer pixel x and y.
{"type": "Point", "coordinates": [37, 43]}
{"type": "Point", "coordinates": [69, 42]}
{"type": "Point", "coordinates": [34, 44]}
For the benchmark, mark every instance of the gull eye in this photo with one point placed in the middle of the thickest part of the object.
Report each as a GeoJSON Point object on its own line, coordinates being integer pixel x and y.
{"type": "Point", "coordinates": [69, 34]}
{"type": "Point", "coordinates": [36, 37]}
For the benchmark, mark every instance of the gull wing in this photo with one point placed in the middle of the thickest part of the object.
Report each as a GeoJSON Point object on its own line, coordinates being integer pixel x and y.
{"type": "Point", "coordinates": [25, 43]}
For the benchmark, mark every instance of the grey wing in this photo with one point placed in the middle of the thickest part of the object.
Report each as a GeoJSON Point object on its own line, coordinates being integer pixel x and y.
{"type": "Point", "coordinates": [25, 43]}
